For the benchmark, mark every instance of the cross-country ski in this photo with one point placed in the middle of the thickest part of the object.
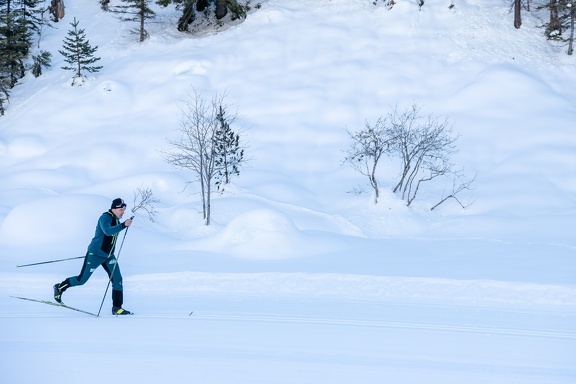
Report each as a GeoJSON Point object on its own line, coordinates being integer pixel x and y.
{"type": "Point", "coordinates": [62, 305]}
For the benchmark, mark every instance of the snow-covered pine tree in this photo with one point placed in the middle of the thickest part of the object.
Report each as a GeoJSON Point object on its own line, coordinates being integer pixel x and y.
{"type": "Point", "coordinates": [78, 52]}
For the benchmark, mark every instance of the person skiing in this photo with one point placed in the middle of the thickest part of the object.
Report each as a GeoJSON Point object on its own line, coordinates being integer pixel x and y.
{"type": "Point", "coordinates": [101, 252]}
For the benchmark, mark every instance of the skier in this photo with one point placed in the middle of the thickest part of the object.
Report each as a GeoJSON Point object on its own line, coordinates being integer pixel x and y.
{"type": "Point", "coordinates": [101, 252]}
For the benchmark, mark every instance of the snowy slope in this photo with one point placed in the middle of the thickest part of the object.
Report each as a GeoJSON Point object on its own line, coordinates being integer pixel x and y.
{"type": "Point", "coordinates": [297, 280]}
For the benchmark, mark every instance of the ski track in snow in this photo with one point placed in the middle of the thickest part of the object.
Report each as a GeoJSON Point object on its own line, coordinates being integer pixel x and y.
{"type": "Point", "coordinates": [220, 337]}
{"type": "Point", "coordinates": [296, 327]}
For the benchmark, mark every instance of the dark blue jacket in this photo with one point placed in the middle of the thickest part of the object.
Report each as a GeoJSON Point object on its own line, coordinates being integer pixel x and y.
{"type": "Point", "coordinates": [105, 236]}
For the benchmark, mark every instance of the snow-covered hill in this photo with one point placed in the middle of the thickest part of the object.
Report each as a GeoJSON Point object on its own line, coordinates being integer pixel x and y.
{"type": "Point", "coordinates": [297, 279]}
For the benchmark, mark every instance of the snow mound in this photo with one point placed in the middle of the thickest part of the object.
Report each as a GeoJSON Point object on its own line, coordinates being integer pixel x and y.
{"type": "Point", "coordinates": [55, 221]}
{"type": "Point", "coordinates": [260, 234]}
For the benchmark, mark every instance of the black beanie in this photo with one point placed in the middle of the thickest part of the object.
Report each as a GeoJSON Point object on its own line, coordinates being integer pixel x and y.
{"type": "Point", "coordinates": [118, 203]}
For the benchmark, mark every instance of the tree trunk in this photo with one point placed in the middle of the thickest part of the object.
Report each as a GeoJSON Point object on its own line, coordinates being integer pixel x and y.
{"type": "Point", "coordinates": [517, 13]}
{"type": "Point", "coordinates": [208, 204]}
{"type": "Point", "coordinates": [555, 24]}
{"type": "Point", "coordinates": [142, 30]}
{"type": "Point", "coordinates": [571, 40]}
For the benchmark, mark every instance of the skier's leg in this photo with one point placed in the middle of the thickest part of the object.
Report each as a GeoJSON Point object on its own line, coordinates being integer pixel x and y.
{"type": "Point", "coordinates": [91, 262]}
{"type": "Point", "coordinates": [112, 268]}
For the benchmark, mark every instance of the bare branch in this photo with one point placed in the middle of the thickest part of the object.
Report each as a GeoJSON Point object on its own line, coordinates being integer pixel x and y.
{"type": "Point", "coordinates": [455, 191]}
{"type": "Point", "coordinates": [144, 199]}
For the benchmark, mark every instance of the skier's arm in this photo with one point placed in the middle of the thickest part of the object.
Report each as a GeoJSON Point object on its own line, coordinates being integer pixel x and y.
{"type": "Point", "coordinates": [109, 229]}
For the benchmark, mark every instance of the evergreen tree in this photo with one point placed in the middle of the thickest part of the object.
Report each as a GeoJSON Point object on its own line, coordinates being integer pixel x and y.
{"type": "Point", "coordinates": [79, 53]}
{"type": "Point", "coordinates": [229, 154]}
{"type": "Point", "coordinates": [43, 59]}
{"type": "Point", "coordinates": [16, 37]}
{"type": "Point", "coordinates": [3, 62]}
{"type": "Point", "coordinates": [18, 20]}
{"type": "Point", "coordinates": [32, 14]}
{"type": "Point", "coordinates": [139, 11]}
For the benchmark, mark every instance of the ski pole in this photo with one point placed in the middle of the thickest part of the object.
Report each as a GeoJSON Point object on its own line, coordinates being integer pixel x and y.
{"type": "Point", "coordinates": [113, 269]}
{"type": "Point", "coordinates": [48, 262]}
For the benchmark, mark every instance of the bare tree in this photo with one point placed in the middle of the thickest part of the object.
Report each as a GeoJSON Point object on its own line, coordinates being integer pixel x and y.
{"type": "Point", "coordinates": [199, 148]}
{"type": "Point", "coordinates": [424, 146]}
{"type": "Point", "coordinates": [144, 199]}
{"type": "Point", "coordinates": [366, 149]}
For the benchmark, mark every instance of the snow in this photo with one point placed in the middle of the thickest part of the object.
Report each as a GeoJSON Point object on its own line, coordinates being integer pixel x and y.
{"type": "Point", "coordinates": [297, 280]}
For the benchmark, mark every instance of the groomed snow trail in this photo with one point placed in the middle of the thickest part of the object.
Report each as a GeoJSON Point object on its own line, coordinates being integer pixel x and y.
{"type": "Point", "coordinates": [190, 334]}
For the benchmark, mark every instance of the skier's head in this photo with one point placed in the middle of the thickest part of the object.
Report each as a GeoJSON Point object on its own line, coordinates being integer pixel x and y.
{"type": "Point", "coordinates": [118, 203]}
